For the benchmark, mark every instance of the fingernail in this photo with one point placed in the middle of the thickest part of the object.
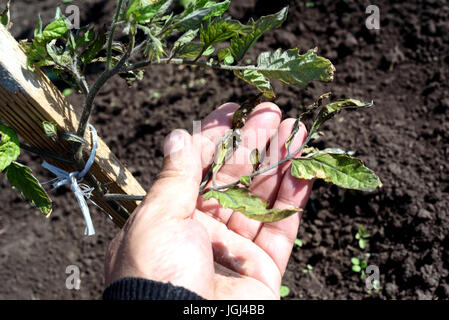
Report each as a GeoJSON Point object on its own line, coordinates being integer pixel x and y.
{"type": "Point", "coordinates": [174, 142]}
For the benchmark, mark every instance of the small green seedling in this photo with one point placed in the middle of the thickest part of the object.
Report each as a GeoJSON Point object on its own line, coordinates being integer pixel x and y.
{"type": "Point", "coordinates": [376, 286]}
{"type": "Point", "coordinates": [50, 129]}
{"type": "Point", "coordinates": [362, 237]}
{"type": "Point", "coordinates": [360, 264]}
{"type": "Point", "coordinates": [285, 291]}
{"type": "Point", "coordinates": [154, 95]}
{"type": "Point", "coordinates": [67, 92]}
{"type": "Point", "coordinates": [307, 269]}
{"type": "Point", "coordinates": [298, 242]}
{"type": "Point", "coordinates": [309, 4]}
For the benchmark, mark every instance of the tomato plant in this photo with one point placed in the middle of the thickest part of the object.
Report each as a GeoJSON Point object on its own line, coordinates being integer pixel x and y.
{"type": "Point", "coordinates": [144, 33]}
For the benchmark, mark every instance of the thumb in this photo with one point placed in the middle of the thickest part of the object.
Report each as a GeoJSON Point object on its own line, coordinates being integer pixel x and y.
{"type": "Point", "coordinates": [175, 192]}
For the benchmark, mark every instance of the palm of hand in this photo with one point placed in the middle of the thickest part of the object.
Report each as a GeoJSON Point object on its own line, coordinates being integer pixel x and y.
{"type": "Point", "coordinates": [248, 258]}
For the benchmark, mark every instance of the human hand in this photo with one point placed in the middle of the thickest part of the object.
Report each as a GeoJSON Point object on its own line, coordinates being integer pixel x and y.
{"type": "Point", "coordinates": [175, 236]}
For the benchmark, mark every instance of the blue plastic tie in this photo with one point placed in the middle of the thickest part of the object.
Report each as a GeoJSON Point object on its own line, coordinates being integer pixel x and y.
{"type": "Point", "coordinates": [81, 191]}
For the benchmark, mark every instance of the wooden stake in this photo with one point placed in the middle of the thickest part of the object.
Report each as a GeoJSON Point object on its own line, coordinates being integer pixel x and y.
{"type": "Point", "coordinates": [27, 98]}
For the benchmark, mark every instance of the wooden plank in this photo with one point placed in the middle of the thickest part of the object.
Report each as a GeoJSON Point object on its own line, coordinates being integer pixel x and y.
{"type": "Point", "coordinates": [27, 98]}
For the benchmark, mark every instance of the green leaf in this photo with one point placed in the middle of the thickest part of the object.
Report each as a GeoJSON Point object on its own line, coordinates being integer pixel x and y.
{"type": "Point", "coordinates": [38, 30]}
{"type": "Point", "coordinates": [55, 30]}
{"type": "Point", "coordinates": [50, 129]}
{"type": "Point", "coordinates": [58, 13]}
{"type": "Point", "coordinates": [225, 56]}
{"type": "Point", "coordinates": [208, 51]}
{"type": "Point", "coordinates": [363, 232]}
{"type": "Point", "coordinates": [284, 291]}
{"type": "Point", "coordinates": [254, 157]}
{"type": "Point", "coordinates": [132, 8]}
{"type": "Point", "coordinates": [223, 53]}
{"type": "Point", "coordinates": [293, 68]}
{"type": "Point", "coordinates": [37, 50]}
{"type": "Point", "coordinates": [23, 180]}
{"type": "Point", "coordinates": [185, 39]}
{"type": "Point", "coordinates": [94, 47]}
{"type": "Point", "coordinates": [356, 268]}
{"type": "Point", "coordinates": [199, 4]}
{"type": "Point", "coordinates": [289, 67]}
{"type": "Point", "coordinates": [64, 61]}
{"type": "Point", "coordinates": [9, 146]}
{"type": "Point", "coordinates": [186, 3]}
{"type": "Point", "coordinates": [218, 9]}
{"type": "Point", "coordinates": [165, 6]}
{"type": "Point", "coordinates": [229, 60]}
{"type": "Point", "coordinates": [241, 44]}
{"type": "Point", "coordinates": [146, 13]}
{"type": "Point", "coordinates": [332, 109]}
{"type": "Point", "coordinates": [143, 10]}
{"type": "Point", "coordinates": [34, 54]}
{"type": "Point", "coordinates": [355, 261]}
{"type": "Point", "coordinates": [154, 49]}
{"type": "Point", "coordinates": [258, 80]}
{"type": "Point", "coordinates": [340, 169]}
{"type": "Point", "coordinates": [363, 264]}
{"type": "Point", "coordinates": [245, 180]}
{"type": "Point", "coordinates": [295, 130]}
{"type": "Point", "coordinates": [5, 17]}
{"type": "Point", "coordinates": [225, 149]}
{"type": "Point", "coordinates": [316, 104]}
{"type": "Point", "coordinates": [242, 113]}
{"type": "Point", "coordinates": [298, 242]}
{"type": "Point", "coordinates": [71, 41]}
{"type": "Point", "coordinates": [362, 243]}
{"type": "Point", "coordinates": [189, 50]}
{"type": "Point", "coordinates": [220, 30]}
{"type": "Point", "coordinates": [308, 152]}
{"type": "Point", "coordinates": [309, 4]}
{"type": "Point", "coordinates": [62, 58]}
{"type": "Point", "coordinates": [241, 200]}
{"type": "Point", "coordinates": [67, 92]}
{"type": "Point", "coordinates": [194, 18]}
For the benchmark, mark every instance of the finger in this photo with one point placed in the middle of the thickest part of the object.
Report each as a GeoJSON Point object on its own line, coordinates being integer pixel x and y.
{"type": "Point", "coordinates": [175, 191]}
{"type": "Point", "coordinates": [229, 285]}
{"type": "Point", "coordinates": [266, 185]}
{"type": "Point", "coordinates": [213, 128]}
{"type": "Point", "coordinates": [239, 254]}
{"type": "Point", "coordinates": [260, 126]}
{"type": "Point", "coordinates": [277, 238]}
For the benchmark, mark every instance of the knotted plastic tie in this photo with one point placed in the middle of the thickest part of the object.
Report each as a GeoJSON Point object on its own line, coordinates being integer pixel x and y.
{"type": "Point", "coordinates": [81, 191]}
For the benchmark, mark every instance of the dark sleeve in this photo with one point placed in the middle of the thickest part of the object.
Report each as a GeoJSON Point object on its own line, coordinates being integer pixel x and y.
{"type": "Point", "coordinates": [143, 289]}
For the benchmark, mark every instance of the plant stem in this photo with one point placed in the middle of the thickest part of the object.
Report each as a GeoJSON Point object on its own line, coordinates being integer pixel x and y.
{"type": "Point", "coordinates": [124, 197]}
{"type": "Point", "coordinates": [143, 64]}
{"type": "Point", "coordinates": [289, 157]}
{"type": "Point", "coordinates": [45, 154]}
{"type": "Point", "coordinates": [98, 84]}
{"type": "Point", "coordinates": [111, 34]}
{"type": "Point", "coordinates": [87, 112]}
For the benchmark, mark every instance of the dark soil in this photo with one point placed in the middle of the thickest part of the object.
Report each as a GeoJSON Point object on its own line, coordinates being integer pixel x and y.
{"type": "Point", "coordinates": [403, 67]}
